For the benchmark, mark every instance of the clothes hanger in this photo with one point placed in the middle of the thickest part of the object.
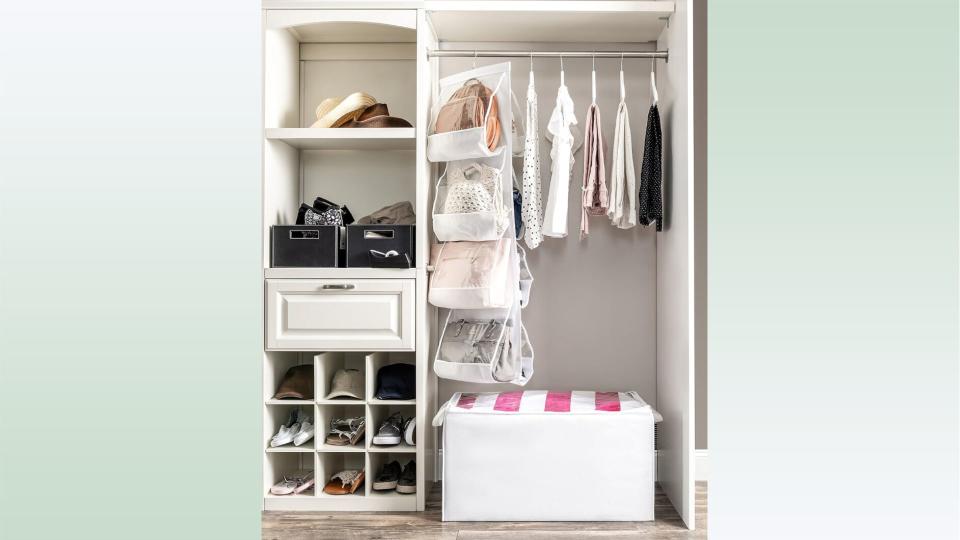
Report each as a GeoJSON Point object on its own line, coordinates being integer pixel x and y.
{"type": "Point", "coordinates": [623, 88]}
{"type": "Point", "coordinates": [593, 80]}
{"type": "Point", "coordinates": [561, 70]}
{"type": "Point", "coordinates": [653, 81]}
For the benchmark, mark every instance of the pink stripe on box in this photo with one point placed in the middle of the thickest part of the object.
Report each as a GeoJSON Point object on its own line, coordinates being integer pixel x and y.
{"type": "Point", "coordinates": [557, 402]}
{"type": "Point", "coordinates": [466, 401]}
{"type": "Point", "coordinates": [508, 401]}
{"type": "Point", "coordinates": [608, 401]}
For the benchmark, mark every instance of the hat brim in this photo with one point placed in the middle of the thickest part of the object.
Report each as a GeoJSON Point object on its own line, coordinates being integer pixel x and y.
{"type": "Point", "coordinates": [346, 110]}
{"type": "Point", "coordinates": [343, 393]}
{"type": "Point", "coordinates": [291, 395]}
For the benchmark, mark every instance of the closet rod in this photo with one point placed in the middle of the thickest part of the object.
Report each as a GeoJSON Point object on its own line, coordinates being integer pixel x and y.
{"type": "Point", "coordinates": [462, 53]}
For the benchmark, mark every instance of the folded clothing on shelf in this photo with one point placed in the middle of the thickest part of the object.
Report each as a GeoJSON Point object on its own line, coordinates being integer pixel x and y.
{"type": "Point", "coordinates": [399, 213]}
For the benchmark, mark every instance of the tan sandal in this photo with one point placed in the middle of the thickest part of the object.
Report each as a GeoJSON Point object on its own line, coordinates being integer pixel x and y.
{"type": "Point", "coordinates": [344, 483]}
{"type": "Point", "coordinates": [345, 431]}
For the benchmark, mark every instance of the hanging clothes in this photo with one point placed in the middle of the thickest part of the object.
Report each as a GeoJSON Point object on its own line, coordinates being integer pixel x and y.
{"type": "Point", "coordinates": [561, 154]}
{"type": "Point", "coordinates": [623, 182]}
{"type": "Point", "coordinates": [594, 202]}
{"type": "Point", "coordinates": [531, 189]}
{"type": "Point", "coordinates": [650, 201]}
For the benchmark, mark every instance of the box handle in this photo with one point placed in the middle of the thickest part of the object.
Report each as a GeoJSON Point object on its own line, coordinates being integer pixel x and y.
{"type": "Point", "coordinates": [339, 286]}
{"type": "Point", "coordinates": [377, 234]}
{"type": "Point", "coordinates": [304, 234]}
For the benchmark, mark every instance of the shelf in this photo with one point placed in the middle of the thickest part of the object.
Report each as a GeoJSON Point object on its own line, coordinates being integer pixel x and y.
{"type": "Point", "coordinates": [391, 402]}
{"type": "Point", "coordinates": [358, 493]}
{"type": "Point", "coordinates": [345, 138]}
{"type": "Point", "coordinates": [299, 402]}
{"type": "Point", "coordinates": [334, 448]}
{"type": "Point", "coordinates": [306, 494]}
{"type": "Point", "coordinates": [290, 448]}
{"type": "Point", "coordinates": [550, 21]}
{"type": "Point", "coordinates": [402, 448]}
{"type": "Point", "coordinates": [341, 402]}
{"type": "Point", "coordinates": [390, 494]}
{"type": "Point", "coordinates": [340, 273]}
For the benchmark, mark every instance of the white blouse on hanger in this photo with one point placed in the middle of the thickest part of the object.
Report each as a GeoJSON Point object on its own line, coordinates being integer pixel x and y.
{"type": "Point", "coordinates": [623, 180]}
{"type": "Point", "coordinates": [532, 210]}
{"type": "Point", "coordinates": [561, 154]}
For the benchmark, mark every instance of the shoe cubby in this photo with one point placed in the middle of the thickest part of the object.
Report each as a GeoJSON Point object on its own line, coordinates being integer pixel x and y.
{"type": "Point", "coordinates": [330, 463]}
{"type": "Point", "coordinates": [380, 413]}
{"type": "Point", "coordinates": [377, 461]}
{"type": "Point", "coordinates": [278, 415]}
{"type": "Point", "coordinates": [276, 367]}
{"type": "Point", "coordinates": [327, 365]}
{"type": "Point", "coordinates": [280, 465]}
{"type": "Point", "coordinates": [376, 361]}
{"type": "Point", "coordinates": [327, 413]}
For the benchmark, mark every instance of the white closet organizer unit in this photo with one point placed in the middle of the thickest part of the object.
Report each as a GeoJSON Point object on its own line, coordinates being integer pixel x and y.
{"type": "Point", "coordinates": [393, 51]}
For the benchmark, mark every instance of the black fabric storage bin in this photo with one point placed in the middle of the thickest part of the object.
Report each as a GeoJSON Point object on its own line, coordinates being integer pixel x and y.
{"type": "Point", "coordinates": [304, 246]}
{"type": "Point", "coordinates": [363, 238]}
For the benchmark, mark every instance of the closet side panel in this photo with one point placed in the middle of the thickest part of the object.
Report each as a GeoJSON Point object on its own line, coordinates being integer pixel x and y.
{"type": "Point", "coordinates": [675, 270]}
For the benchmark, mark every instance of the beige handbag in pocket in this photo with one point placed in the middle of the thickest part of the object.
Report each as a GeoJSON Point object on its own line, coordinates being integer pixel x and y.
{"type": "Point", "coordinates": [468, 108]}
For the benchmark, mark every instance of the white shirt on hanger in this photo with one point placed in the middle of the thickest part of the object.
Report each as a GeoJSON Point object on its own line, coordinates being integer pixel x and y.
{"type": "Point", "coordinates": [623, 180]}
{"type": "Point", "coordinates": [561, 154]}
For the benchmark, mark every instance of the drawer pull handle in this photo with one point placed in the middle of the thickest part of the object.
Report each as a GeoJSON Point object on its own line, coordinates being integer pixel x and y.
{"type": "Point", "coordinates": [339, 286]}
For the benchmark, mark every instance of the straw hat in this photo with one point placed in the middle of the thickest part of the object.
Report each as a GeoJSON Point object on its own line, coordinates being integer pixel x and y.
{"type": "Point", "coordinates": [333, 112]}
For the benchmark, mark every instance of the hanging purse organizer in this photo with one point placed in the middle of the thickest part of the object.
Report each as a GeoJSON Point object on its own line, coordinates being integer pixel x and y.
{"type": "Point", "coordinates": [469, 204]}
{"type": "Point", "coordinates": [468, 120]}
{"type": "Point", "coordinates": [479, 272]}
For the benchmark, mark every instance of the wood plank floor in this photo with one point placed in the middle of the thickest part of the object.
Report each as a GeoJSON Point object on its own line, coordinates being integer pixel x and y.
{"type": "Point", "coordinates": [427, 525]}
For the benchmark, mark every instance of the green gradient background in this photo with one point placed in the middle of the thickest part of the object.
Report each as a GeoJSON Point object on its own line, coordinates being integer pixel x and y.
{"type": "Point", "coordinates": [129, 270]}
{"type": "Point", "coordinates": [833, 269]}
{"type": "Point", "coordinates": [129, 281]}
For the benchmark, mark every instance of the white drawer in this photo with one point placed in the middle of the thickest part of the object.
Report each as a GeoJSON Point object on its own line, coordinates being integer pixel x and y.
{"type": "Point", "coordinates": [340, 314]}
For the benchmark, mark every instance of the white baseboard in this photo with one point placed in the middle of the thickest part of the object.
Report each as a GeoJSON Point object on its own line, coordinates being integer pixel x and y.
{"type": "Point", "coordinates": [702, 465]}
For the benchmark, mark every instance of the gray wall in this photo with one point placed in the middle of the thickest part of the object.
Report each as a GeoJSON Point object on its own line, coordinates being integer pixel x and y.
{"type": "Point", "coordinates": [592, 317]}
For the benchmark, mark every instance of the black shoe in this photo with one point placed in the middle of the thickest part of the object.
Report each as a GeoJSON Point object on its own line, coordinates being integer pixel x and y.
{"type": "Point", "coordinates": [388, 476]}
{"type": "Point", "coordinates": [408, 480]}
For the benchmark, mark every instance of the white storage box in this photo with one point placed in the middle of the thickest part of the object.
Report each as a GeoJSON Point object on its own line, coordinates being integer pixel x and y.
{"type": "Point", "coordinates": [547, 456]}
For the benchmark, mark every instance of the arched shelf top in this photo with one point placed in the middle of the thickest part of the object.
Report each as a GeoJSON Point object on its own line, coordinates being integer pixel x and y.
{"type": "Point", "coordinates": [346, 26]}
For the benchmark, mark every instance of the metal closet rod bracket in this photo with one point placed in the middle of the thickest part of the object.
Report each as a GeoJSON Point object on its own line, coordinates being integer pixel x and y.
{"type": "Point", "coordinates": [465, 53]}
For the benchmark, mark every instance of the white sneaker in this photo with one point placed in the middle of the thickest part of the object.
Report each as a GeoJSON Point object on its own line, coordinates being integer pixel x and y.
{"type": "Point", "coordinates": [409, 431]}
{"type": "Point", "coordinates": [305, 433]}
{"type": "Point", "coordinates": [285, 435]}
